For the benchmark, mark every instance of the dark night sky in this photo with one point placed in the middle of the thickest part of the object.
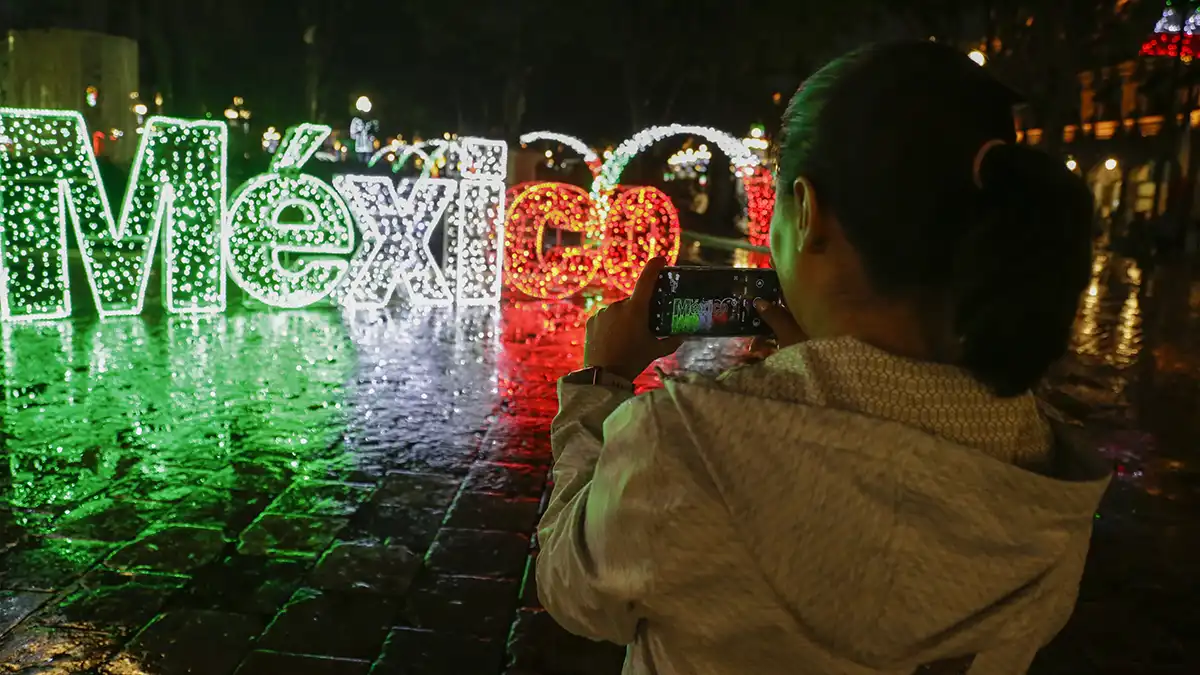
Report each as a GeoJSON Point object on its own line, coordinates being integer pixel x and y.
{"type": "Point", "coordinates": [597, 70]}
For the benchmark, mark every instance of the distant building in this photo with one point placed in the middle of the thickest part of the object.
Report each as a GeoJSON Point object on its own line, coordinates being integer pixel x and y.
{"type": "Point", "coordinates": [93, 73]}
{"type": "Point", "coordinates": [1122, 108]}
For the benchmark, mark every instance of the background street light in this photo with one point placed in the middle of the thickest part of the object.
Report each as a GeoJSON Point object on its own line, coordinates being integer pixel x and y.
{"type": "Point", "coordinates": [978, 57]}
{"type": "Point", "coordinates": [363, 105]}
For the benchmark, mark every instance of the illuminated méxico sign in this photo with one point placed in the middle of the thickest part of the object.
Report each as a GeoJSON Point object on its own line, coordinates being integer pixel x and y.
{"type": "Point", "coordinates": [289, 239]}
{"type": "Point", "coordinates": [286, 238]}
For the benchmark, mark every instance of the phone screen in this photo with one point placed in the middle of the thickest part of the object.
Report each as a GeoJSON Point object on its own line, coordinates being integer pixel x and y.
{"type": "Point", "coordinates": [711, 301]}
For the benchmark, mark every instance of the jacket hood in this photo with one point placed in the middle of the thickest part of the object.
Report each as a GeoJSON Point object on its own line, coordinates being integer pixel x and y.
{"type": "Point", "coordinates": [952, 532]}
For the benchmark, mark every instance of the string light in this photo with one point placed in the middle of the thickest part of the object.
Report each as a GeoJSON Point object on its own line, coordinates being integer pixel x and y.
{"type": "Point", "coordinates": [270, 140]}
{"type": "Point", "coordinates": [398, 154]}
{"type": "Point", "coordinates": [608, 177]}
{"type": "Point", "coordinates": [396, 227]}
{"type": "Point", "coordinates": [757, 143]}
{"type": "Point", "coordinates": [690, 156]}
{"type": "Point", "coordinates": [1173, 36]}
{"type": "Point", "coordinates": [554, 271]}
{"type": "Point", "coordinates": [760, 204]}
{"type": "Point", "coordinates": [642, 224]}
{"type": "Point", "coordinates": [589, 155]}
{"type": "Point", "coordinates": [298, 146]}
{"type": "Point", "coordinates": [474, 256]}
{"type": "Point", "coordinates": [49, 177]}
{"type": "Point", "coordinates": [430, 162]}
{"type": "Point", "coordinates": [258, 238]}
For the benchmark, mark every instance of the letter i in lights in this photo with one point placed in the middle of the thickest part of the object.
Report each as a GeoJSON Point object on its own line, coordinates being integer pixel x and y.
{"type": "Point", "coordinates": [50, 180]}
{"type": "Point", "coordinates": [475, 243]}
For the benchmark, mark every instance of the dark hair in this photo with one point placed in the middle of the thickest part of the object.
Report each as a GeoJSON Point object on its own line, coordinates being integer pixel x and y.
{"type": "Point", "coordinates": [888, 136]}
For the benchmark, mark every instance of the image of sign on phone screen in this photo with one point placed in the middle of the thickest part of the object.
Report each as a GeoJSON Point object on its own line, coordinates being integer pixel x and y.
{"type": "Point", "coordinates": [714, 302]}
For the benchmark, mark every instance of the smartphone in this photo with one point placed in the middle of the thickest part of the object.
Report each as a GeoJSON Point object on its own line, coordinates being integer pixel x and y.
{"type": "Point", "coordinates": [711, 301]}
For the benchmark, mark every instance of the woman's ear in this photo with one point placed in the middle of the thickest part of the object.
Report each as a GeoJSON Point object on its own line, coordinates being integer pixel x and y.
{"type": "Point", "coordinates": [814, 236]}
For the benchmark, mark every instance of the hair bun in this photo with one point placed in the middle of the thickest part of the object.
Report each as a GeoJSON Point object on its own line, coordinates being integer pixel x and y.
{"type": "Point", "coordinates": [1021, 268]}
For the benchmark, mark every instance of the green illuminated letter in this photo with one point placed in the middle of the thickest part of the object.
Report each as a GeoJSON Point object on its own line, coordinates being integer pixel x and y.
{"type": "Point", "coordinates": [49, 179]}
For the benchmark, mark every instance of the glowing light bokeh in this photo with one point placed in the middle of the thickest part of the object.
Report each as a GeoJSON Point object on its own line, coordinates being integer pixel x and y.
{"type": "Point", "coordinates": [760, 205]}
{"type": "Point", "coordinates": [642, 224]}
{"type": "Point", "coordinates": [474, 263]}
{"type": "Point", "coordinates": [609, 176]}
{"type": "Point", "coordinates": [589, 155]}
{"type": "Point", "coordinates": [541, 269]}
{"type": "Point", "coordinates": [396, 226]}
{"type": "Point", "coordinates": [282, 228]}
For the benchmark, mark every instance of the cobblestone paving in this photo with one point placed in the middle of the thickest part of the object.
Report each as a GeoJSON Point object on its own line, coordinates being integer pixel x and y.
{"type": "Point", "coordinates": [265, 493]}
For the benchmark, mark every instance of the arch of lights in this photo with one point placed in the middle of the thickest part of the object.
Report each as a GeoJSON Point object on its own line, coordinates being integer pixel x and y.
{"type": "Point", "coordinates": [756, 179]}
{"type": "Point", "coordinates": [403, 152]}
{"type": "Point", "coordinates": [289, 239]}
{"type": "Point", "coordinates": [589, 155]}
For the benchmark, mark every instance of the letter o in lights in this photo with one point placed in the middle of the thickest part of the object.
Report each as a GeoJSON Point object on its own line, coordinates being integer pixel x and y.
{"type": "Point", "coordinates": [642, 224]}
{"type": "Point", "coordinates": [542, 266]}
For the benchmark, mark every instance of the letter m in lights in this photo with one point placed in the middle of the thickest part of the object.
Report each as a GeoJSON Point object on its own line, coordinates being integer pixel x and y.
{"type": "Point", "coordinates": [50, 184]}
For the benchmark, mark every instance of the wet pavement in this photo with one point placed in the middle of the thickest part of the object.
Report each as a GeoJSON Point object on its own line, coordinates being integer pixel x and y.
{"type": "Point", "coordinates": [310, 493]}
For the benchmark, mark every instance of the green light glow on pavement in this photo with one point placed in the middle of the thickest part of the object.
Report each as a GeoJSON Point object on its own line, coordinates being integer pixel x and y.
{"type": "Point", "coordinates": [122, 408]}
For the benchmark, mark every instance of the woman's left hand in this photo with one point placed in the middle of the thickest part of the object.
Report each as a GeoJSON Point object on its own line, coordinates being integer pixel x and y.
{"type": "Point", "coordinates": [619, 338]}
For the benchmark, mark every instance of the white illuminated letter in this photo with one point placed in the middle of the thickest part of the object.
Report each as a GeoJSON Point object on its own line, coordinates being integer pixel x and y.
{"type": "Point", "coordinates": [396, 227]}
{"type": "Point", "coordinates": [49, 179]}
{"type": "Point", "coordinates": [282, 225]}
{"type": "Point", "coordinates": [474, 244]}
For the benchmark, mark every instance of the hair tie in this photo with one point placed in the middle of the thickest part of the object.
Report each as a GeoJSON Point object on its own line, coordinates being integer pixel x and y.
{"type": "Point", "coordinates": [977, 167]}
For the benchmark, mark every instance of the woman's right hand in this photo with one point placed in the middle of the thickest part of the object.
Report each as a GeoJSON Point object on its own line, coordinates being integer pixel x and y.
{"type": "Point", "coordinates": [782, 323]}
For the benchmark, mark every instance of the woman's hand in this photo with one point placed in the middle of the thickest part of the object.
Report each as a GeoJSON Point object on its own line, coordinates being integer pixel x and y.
{"type": "Point", "coordinates": [619, 338]}
{"type": "Point", "coordinates": [782, 323]}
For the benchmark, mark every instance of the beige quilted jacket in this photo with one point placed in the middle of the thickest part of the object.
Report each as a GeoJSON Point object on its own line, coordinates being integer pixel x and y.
{"type": "Point", "coordinates": [831, 510]}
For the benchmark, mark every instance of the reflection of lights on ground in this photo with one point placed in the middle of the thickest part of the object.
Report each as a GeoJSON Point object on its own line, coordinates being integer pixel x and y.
{"type": "Point", "coordinates": [307, 393]}
{"type": "Point", "coordinates": [1086, 336]}
{"type": "Point", "coordinates": [1129, 342]}
{"type": "Point", "coordinates": [133, 401]}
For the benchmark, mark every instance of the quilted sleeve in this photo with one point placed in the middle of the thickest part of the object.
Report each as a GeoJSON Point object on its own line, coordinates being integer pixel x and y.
{"type": "Point", "coordinates": [597, 562]}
